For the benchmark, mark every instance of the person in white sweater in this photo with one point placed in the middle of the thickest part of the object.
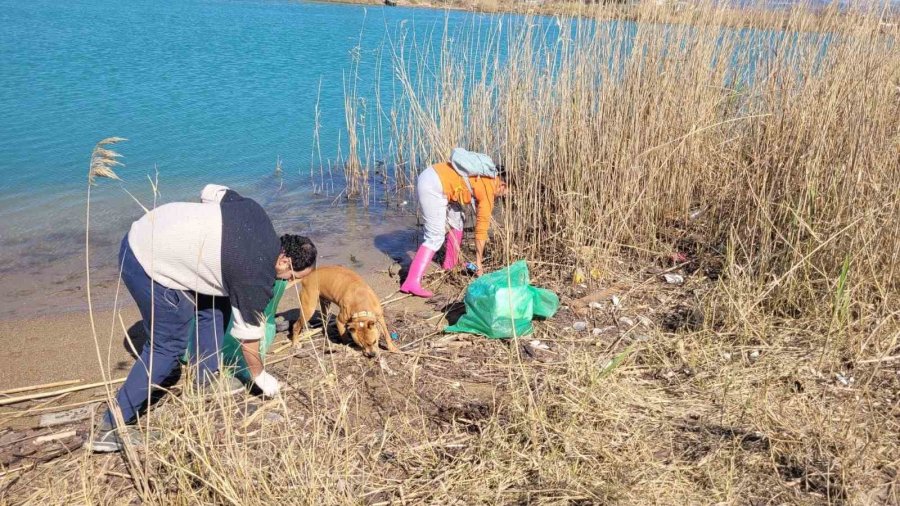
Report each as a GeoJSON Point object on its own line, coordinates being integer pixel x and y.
{"type": "Point", "coordinates": [202, 264]}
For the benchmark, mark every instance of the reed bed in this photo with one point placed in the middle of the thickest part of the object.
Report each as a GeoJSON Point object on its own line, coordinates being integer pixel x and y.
{"type": "Point", "coordinates": [768, 162]}
{"type": "Point", "coordinates": [775, 152]}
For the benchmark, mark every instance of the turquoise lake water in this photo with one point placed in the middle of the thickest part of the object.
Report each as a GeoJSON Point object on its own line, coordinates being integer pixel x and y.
{"type": "Point", "coordinates": [204, 90]}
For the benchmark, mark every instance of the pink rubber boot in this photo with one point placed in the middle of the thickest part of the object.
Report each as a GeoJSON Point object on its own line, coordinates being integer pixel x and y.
{"type": "Point", "coordinates": [451, 249]}
{"type": "Point", "coordinates": [412, 285]}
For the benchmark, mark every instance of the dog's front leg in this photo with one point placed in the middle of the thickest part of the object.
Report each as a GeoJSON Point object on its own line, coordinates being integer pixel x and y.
{"type": "Point", "coordinates": [388, 342]}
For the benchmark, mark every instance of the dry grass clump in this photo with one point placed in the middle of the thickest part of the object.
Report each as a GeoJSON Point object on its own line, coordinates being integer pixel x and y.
{"type": "Point", "coordinates": [660, 420]}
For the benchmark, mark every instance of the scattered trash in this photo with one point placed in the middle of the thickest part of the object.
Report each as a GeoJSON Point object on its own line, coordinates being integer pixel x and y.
{"type": "Point", "coordinates": [626, 321]}
{"type": "Point", "coordinates": [65, 417]}
{"type": "Point", "coordinates": [845, 380]}
{"type": "Point", "coordinates": [403, 203]}
{"type": "Point", "coordinates": [696, 213]}
{"type": "Point", "coordinates": [395, 336]}
{"type": "Point", "coordinates": [382, 363]}
{"type": "Point", "coordinates": [580, 326]}
{"type": "Point", "coordinates": [538, 345]}
{"type": "Point", "coordinates": [596, 332]}
{"type": "Point", "coordinates": [54, 437]}
{"type": "Point", "coordinates": [577, 276]}
{"type": "Point", "coordinates": [616, 302]}
{"type": "Point", "coordinates": [647, 322]}
{"type": "Point", "coordinates": [595, 305]}
{"type": "Point", "coordinates": [726, 356]}
{"type": "Point", "coordinates": [673, 279]}
{"type": "Point", "coordinates": [471, 267]}
{"type": "Point", "coordinates": [679, 257]}
{"type": "Point", "coordinates": [754, 355]}
{"type": "Point", "coordinates": [669, 375]}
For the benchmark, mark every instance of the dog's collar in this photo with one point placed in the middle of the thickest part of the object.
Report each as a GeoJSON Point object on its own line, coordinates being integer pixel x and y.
{"type": "Point", "coordinates": [362, 314]}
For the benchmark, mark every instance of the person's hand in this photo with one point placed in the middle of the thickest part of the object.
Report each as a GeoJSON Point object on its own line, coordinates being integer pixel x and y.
{"type": "Point", "coordinates": [267, 383]}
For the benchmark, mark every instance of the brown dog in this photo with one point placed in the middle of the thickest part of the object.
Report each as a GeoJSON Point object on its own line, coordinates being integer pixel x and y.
{"type": "Point", "coordinates": [360, 312]}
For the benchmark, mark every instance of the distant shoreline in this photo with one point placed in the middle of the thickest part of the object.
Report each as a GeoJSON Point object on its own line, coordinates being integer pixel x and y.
{"type": "Point", "coordinates": [662, 11]}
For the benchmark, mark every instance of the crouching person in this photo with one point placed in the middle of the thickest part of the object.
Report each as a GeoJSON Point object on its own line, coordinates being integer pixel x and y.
{"type": "Point", "coordinates": [215, 261]}
{"type": "Point", "coordinates": [443, 189]}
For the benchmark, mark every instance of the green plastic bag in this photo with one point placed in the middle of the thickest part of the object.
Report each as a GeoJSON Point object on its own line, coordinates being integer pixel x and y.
{"type": "Point", "coordinates": [502, 304]}
{"type": "Point", "coordinates": [232, 356]}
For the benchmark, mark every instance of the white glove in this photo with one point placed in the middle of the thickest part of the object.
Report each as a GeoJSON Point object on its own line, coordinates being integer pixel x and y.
{"type": "Point", "coordinates": [267, 383]}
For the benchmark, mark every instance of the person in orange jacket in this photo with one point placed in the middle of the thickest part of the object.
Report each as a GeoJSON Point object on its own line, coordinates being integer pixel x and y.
{"type": "Point", "coordinates": [442, 193]}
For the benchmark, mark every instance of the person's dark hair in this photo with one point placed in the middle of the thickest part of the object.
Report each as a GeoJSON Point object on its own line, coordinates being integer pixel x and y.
{"type": "Point", "coordinates": [501, 171]}
{"type": "Point", "coordinates": [300, 250]}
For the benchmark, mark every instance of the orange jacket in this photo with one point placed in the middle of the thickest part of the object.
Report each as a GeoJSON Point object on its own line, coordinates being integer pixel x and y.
{"type": "Point", "coordinates": [484, 188]}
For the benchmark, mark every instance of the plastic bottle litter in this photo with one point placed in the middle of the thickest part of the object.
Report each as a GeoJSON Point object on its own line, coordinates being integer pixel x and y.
{"type": "Point", "coordinates": [580, 326]}
{"type": "Point", "coordinates": [538, 345]}
{"type": "Point", "coordinates": [845, 380]}
{"type": "Point", "coordinates": [673, 279]}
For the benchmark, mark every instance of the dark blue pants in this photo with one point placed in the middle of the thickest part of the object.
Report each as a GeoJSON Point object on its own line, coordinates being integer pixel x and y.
{"type": "Point", "coordinates": [168, 319]}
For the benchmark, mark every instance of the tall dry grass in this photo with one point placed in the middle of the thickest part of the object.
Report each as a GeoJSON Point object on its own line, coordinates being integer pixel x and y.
{"type": "Point", "coordinates": [783, 145]}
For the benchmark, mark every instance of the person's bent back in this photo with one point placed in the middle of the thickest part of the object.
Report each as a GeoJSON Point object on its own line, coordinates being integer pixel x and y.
{"type": "Point", "coordinates": [196, 266]}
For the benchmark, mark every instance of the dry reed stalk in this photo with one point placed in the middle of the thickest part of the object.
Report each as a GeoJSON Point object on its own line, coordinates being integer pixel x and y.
{"type": "Point", "coordinates": [102, 163]}
{"type": "Point", "coordinates": [40, 387]}
{"type": "Point", "coordinates": [42, 395]}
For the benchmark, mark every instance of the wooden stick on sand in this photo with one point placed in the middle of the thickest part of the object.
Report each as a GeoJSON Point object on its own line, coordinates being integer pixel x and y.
{"type": "Point", "coordinates": [42, 395]}
{"type": "Point", "coordinates": [40, 387]}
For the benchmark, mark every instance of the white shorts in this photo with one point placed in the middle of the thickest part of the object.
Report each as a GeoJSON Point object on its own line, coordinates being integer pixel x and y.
{"type": "Point", "coordinates": [436, 209]}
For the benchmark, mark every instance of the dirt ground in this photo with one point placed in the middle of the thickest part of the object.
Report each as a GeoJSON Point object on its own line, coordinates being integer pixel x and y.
{"type": "Point", "coordinates": [431, 358]}
{"type": "Point", "coordinates": [444, 383]}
